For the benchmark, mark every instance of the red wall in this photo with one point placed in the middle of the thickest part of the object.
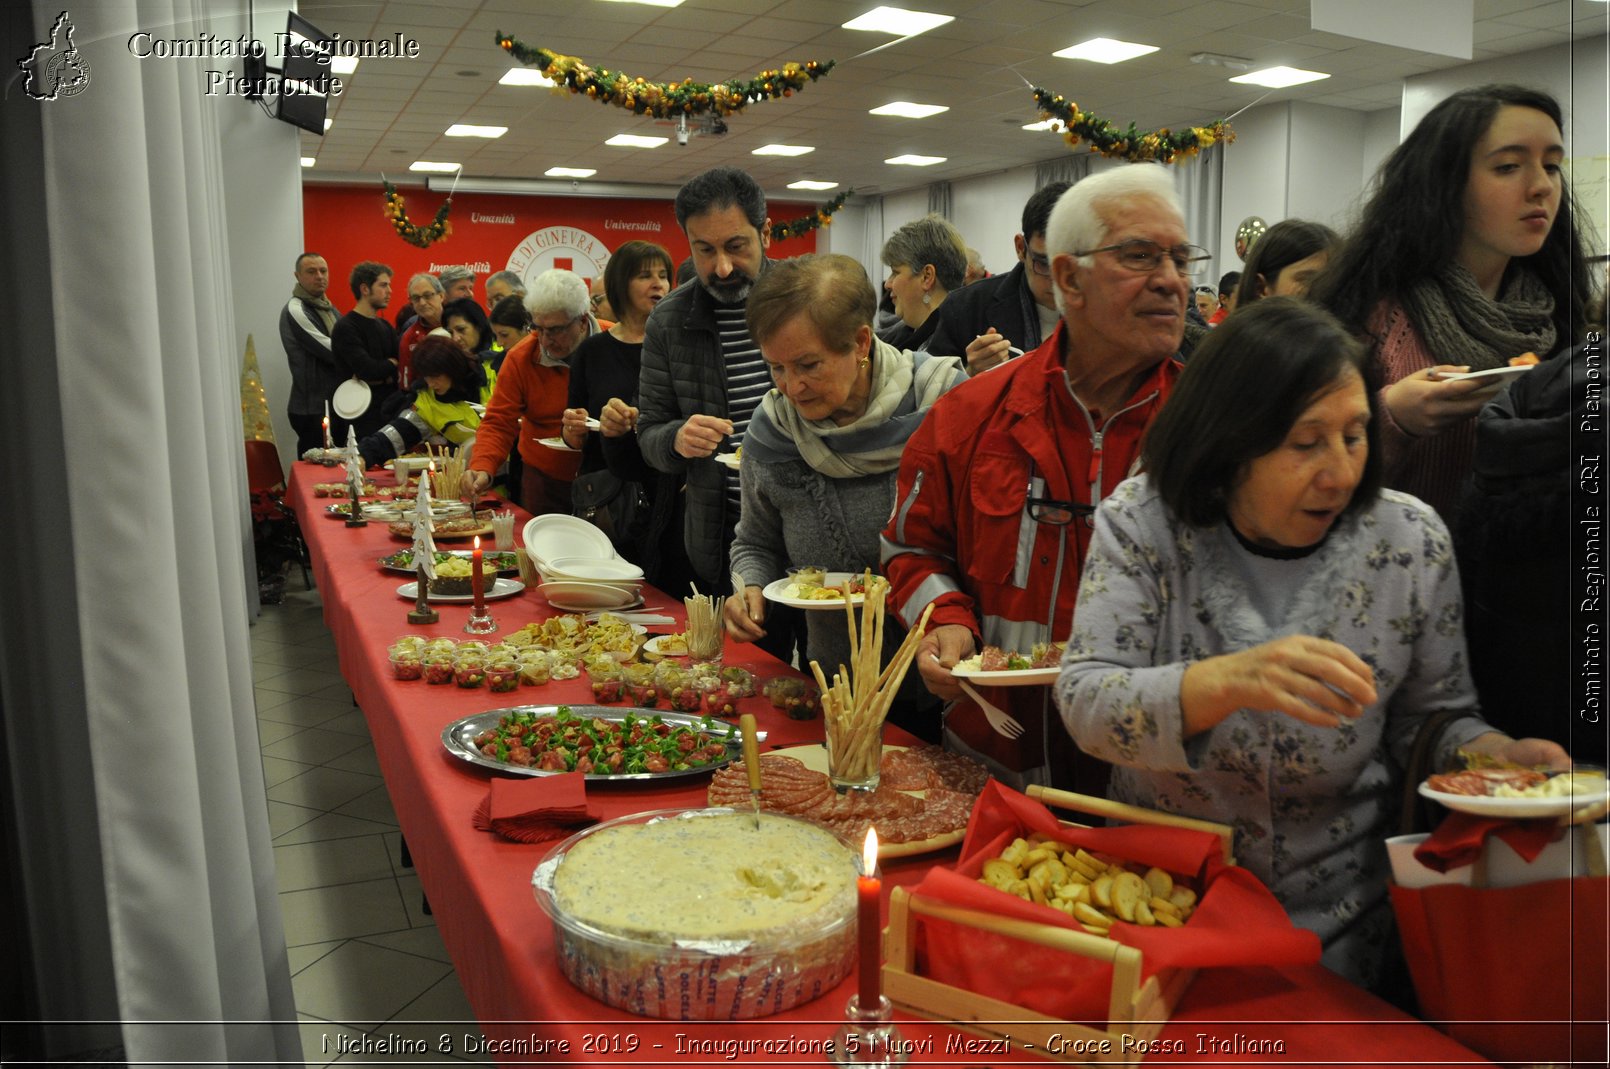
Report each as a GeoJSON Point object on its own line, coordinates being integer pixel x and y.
{"type": "Point", "coordinates": [494, 232]}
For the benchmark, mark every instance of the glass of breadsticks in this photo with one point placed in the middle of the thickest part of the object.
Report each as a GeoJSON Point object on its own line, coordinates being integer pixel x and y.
{"type": "Point", "coordinates": [857, 702]}
{"type": "Point", "coordinates": [705, 633]}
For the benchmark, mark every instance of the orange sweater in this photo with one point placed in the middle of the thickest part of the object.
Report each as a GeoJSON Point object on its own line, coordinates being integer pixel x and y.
{"type": "Point", "coordinates": [528, 400]}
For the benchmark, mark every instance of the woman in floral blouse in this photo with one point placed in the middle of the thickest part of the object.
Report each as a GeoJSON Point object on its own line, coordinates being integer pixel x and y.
{"type": "Point", "coordinates": [1261, 629]}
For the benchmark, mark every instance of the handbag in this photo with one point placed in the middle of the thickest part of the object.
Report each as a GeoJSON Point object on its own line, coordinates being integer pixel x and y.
{"type": "Point", "coordinates": [618, 507]}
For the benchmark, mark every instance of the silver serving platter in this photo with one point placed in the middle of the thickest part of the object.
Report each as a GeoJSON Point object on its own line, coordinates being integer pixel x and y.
{"type": "Point", "coordinates": [459, 737]}
{"type": "Point", "coordinates": [386, 562]}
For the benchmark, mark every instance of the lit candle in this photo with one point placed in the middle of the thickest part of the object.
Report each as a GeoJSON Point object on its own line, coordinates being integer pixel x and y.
{"type": "Point", "coordinates": [475, 578]}
{"type": "Point", "coordinates": [327, 442]}
{"type": "Point", "coordinates": [869, 927]}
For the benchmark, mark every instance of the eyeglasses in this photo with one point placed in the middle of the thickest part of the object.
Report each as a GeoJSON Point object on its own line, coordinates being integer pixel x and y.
{"type": "Point", "coordinates": [1059, 513]}
{"type": "Point", "coordinates": [416, 298]}
{"type": "Point", "coordinates": [1040, 264]}
{"type": "Point", "coordinates": [1144, 257]}
{"type": "Point", "coordinates": [555, 332]}
{"type": "Point", "coordinates": [597, 299]}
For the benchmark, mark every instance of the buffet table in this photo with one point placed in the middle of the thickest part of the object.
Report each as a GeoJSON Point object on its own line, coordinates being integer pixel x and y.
{"type": "Point", "coordinates": [501, 943]}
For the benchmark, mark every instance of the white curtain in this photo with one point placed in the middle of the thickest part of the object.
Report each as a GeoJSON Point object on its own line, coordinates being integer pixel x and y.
{"type": "Point", "coordinates": [140, 816]}
{"type": "Point", "coordinates": [940, 201]}
{"type": "Point", "coordinates": [1200, 184]}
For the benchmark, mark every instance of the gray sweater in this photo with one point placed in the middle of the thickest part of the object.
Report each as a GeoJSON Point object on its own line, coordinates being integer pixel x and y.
{"type": "Point", "coordinates": [794, 516]}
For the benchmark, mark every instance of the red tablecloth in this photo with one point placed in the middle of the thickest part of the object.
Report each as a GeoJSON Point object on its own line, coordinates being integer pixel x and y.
{"type": "Point", "coordinates": [479, 888]}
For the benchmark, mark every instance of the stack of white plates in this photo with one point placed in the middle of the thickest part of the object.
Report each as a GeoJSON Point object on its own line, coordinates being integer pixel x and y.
{"type": "Point", "coordinates": [579, 566]}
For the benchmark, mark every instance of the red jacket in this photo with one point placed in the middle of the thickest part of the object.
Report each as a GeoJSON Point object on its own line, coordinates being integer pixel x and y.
{"type": "Point", "coordinates": [961, 535]}
{"type": "Point", "coordinates": [528, 401]}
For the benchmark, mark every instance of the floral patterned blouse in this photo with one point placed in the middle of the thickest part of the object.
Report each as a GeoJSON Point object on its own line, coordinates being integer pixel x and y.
{"type": "Point", "coordinates": [1311, 806]}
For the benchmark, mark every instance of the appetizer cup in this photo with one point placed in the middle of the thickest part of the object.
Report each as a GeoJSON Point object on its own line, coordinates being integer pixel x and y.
{"type": "Point", "coordinates": [405, 663]}
{"type": "Point", "coordinates": [502, 676]}
{"type": "Point", "coordinates": [437, 667]}
{"type": "Point", "coordinates": [807, 578]}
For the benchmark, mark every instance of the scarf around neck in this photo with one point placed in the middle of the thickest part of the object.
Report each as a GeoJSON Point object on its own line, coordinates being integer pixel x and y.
{"type": "Point", "coordinates": [1460, 325]}
{"type": "Point", "coordinates": [904, 386]}
{"type": "Point", "coordinates": [327, 311]}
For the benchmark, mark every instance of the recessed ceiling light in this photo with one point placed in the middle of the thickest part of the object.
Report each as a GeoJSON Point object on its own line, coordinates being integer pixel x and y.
{"type": "Point", "coordinates": [636, 141]}
{"type": "Point", "coordinates": [805, 183]}
{"type": "Point", "coordinates": [428, 165]}
{"type": "Point", "coordinates": [907, 110]}
{"type": "Point", "coordinates": [570, 172]}
{"type": "Point", "coordinates": [464, 129]}
{"type": "Point", "coordinates": [1279, 77]}
{"type": "Point", "coordinates": [327, 124]}
{"type": "Point", "coordinates": [525, 76]}
{"type": "Point", "coordinates": [911, 160]}
{"type": "Point", "coordinates": [308, 161]}
{"type": "Point", "coordinates": [898, 20]}
{"type": "Point", "coordinates": [343, 64]}
{"type": "Point", "coordinates": [651, 3]}
{"type": "Point", "coordinates": [1105, 50]}
{"type": "Point", "coordinates": [783, 150]}
{"type": "Point", "coordinates": [1044, 124]}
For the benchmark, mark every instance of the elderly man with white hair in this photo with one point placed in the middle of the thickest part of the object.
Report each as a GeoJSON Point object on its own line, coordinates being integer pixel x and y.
{"type": "Point", "coordinates": [529, 399]}
{"type": "Point", "coordinates": [998, 487]}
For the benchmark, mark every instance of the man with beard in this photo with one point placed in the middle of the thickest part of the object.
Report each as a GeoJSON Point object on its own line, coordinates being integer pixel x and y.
{"type": "Point", "coordinates": [365, 347]}
{"type": "Point", "coordinates": [528, 401]}
{"type": "Point", "coordinates": [703, 376]}
{"type": "Point", "coordinates": [305, 325]}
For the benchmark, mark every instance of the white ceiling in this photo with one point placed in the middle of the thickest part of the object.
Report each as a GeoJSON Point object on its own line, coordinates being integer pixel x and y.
{"type": "Point", "coordinates": [393, 112]}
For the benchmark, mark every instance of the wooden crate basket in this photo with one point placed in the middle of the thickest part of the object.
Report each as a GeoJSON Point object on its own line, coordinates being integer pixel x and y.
{"type": "Point", "coordinates": [1134, 1009]}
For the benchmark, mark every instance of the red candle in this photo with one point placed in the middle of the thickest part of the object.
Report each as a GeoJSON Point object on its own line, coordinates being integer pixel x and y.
{"type": "Point", "coordinates": [475, 578]}
{"type": "Point", "coordinates": [869, 928]}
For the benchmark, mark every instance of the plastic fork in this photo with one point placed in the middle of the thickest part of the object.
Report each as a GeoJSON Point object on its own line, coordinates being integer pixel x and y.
{"type": "Point", "coordinates": [1003, 723]}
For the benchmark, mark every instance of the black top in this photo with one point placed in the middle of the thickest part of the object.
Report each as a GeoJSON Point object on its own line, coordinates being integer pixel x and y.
{"type": "Point", "coordinates": [365, 346]}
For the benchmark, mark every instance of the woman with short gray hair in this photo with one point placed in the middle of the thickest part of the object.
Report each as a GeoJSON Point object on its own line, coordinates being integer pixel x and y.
{"type": "Point", "coordinates": [926, 259]}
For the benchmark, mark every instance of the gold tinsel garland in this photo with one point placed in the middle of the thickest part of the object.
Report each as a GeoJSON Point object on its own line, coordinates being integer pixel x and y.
{"type": "Point", "coordinates": [663, 100]}
{"type": "Point", "coordinates": [823, 216]}
{"type": "Point", "coordinates": [421, 236]}
{"type": "Point", "coordinates": [1163, 146]}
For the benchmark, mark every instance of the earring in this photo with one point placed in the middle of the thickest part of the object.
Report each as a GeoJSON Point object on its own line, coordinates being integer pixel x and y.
{"type": "Point", "coordinates": [866, 362]}
{"type": "Point", "coordinates": [927, 298]}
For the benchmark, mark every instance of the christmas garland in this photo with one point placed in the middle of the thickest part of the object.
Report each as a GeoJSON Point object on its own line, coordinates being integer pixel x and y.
{"type": "Point", "coordinates": [664, 100]}
{"type": "Point", "coordinates": [425, 236]}
{"type": "Point", "coordinates": [1164, 146]}
{"type": "Point", "coordinates": [823, 216]}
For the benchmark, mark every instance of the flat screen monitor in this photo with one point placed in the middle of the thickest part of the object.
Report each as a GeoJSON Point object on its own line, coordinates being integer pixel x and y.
{"type": "Point", "coordinates": [304, 76]}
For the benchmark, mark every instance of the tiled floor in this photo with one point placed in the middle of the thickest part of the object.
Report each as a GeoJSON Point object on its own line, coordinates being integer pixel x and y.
{"type": "Point", "coordinates": [364, 957]}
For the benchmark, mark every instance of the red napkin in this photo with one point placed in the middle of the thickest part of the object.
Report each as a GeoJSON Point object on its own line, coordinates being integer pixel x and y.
{"type": "Point", "coordinates": [536, 810]}
{"type": "Point", "coordinates": [1459, 839]}
{"type": "Point", "coordinates": [1237, 922]}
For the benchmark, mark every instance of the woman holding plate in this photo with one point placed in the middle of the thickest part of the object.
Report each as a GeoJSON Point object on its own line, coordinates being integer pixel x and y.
{"type": "Point", "coordinates": [1261, 631]}
{"type": "Point", "coordinates": [823, 448]}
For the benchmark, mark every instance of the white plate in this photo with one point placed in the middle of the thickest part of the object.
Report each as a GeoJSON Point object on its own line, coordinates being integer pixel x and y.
{"type": "Point", "coordinates": [554, 536]}
{"type": "Point", "coordinates": [587, 597]}
{"type": "Point", "coordinates": [1018, 677]}
{"type": "Point", "coordinates": [1496, 374]}
{"type": "Point", "coordinates": [774, 592]}
{"type": "Point", "coordinates": [503, 588]}
{"type": "Point", "coordinates": [613, 570]}
{"type": "Point", "coordinates": [656, 646]}
{"type": "Point", "coordinates": [351, 399]}
{"type": "Point", "coordinates": [731, 460]}
{"type": "Point", "coordinates": [558, 444]}
{"type": "Point", "coordinates": [1512, 808]}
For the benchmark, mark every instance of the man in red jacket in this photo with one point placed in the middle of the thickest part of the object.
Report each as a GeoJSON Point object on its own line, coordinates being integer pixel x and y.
{"type": "Point", "coordinates": [994, 507]}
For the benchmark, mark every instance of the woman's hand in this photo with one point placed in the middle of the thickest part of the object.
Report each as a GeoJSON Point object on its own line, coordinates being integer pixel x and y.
{"type": "Point", "coordinates": [472, 483]}
{"type": "Point", "coordinates": [618, 419]}
{"type": "Point", "coordinates": [1309, 679]}
{"type": "Point", "coordinates": [700, 436]}
{"type": "Point", "coordinates": [744, 614]}
{"type": "Point", "coordinates": [938, 653]}
{"type": "Point", "coordinates": [1426, 403]}
{"type": "Point", "coordinates": [573, 427]}
{"type": "Point", "coordinates": [1532, 753]}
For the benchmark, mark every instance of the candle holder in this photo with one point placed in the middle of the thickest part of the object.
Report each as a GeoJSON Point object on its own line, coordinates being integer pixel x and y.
{"type": "Point", "coordinates": [355, 517]}
{"type": "Point", "coordinates": [868, 1037]}
{"type": "Point", "coordinates": [480, 622]}
{"type": "Point", "coordinates": [422, 613]}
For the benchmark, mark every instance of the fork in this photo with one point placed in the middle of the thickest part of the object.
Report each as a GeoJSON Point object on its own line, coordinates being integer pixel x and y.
{"type": "Point", "coordinates": [1003, 723]}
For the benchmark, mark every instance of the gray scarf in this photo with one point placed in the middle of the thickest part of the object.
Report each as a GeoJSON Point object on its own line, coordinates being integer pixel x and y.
{"type": "Point", "coordinates": [1460, 325]}
{"type": "Point", "coordinates": [321, 305]}
{"type": "Point", "coordinates": [904, 386]}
